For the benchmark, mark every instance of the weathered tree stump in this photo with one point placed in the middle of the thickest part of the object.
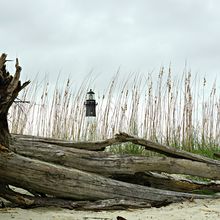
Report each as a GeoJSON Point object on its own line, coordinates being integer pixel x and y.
{"type": "Point", "coordinates": [10, 86]}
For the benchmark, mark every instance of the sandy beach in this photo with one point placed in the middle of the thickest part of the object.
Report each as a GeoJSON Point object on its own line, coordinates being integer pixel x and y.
{"type": "Point", "coordinates": [196, 210]}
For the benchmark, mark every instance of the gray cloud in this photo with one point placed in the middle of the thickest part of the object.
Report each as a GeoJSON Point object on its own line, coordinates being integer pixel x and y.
{"type": "Point", "coordinates": [76, 36]}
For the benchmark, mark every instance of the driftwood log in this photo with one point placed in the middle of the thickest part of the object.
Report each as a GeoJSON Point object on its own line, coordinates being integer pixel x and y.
{"type": "Point", "coordinates": [81, 175]}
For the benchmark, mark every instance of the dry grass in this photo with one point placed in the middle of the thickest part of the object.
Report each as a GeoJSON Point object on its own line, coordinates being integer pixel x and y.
{"type": "Point", "coordinates": [179, 112]}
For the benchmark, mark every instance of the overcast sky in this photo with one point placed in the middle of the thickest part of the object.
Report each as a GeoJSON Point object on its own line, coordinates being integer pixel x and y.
{"type": "Point", "coordinates": [76, 36]}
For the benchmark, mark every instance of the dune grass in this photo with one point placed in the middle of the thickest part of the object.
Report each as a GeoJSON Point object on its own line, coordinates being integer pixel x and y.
{"type": "Point", "coordinates": [181, 112]}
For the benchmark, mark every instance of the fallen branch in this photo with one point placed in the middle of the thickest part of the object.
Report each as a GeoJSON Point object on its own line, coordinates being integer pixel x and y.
{"type": "Point", "coordinates": [119, 138]}
{"type": "Point", "coordinates": [86, 145]}
{"type": "Point", "coordinates": [27, 201]}
{"type": "Point", "coordinates": [107, 164]}
{"type": "Point", "coordinates": [169, 182]}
